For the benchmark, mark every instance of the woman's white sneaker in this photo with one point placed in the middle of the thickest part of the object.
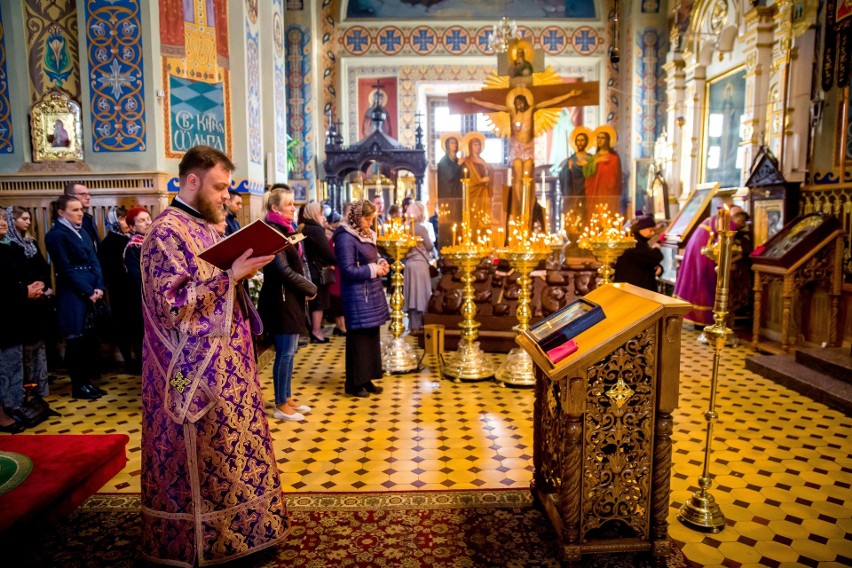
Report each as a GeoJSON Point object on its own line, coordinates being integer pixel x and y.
{"type": "Point", "coordinates": [281, 415]}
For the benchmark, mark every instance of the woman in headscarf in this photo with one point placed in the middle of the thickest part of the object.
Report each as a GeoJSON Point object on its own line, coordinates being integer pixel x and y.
{"type": "Point", "coordinates": [139, 221]}
{"type": "Point", "coordinates": [38, 312]}
{"type": "Point", "coordinates": [319, 255]}
{"type": "Point", "coordinates": [418, 284]}
{"type": "Point", "coordinates": [79, 286]}
{"type": "Point", "coordinates": [282, 304]}
{"type": "Point", "coordinates": [111, 254]}
{"type": "Point", "coordinates": [364, 303]}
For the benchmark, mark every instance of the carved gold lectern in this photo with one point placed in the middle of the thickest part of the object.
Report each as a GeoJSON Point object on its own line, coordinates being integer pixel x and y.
{"type": "Point", "coordinates": [606, 386]}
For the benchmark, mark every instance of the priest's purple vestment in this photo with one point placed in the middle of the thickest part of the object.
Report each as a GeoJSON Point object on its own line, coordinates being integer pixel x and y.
{"type": "Point", "coordinates": [696, 277]}
{"type": "Point", "coordinates": [210, 486]}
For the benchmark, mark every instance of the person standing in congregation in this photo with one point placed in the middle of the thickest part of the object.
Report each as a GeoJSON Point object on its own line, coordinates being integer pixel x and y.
{"type": "Point", "coordinates": [210, 486]}
{"type": "Point", "coordinates": [79, 288]}
{"type": "Point", "coordinates": [640, 265]}
{"type": "Point", "coordinates": [365, 307]}
{"type": "Point", "coordinates": [139, 220]}
{"type": "Point", "coordinates": [282, 304]}
{"type": "Point", "coordinates": [417, 288]}
{"type": "Point", "coordinates": [321, 261]}
{"type": "Point", "coordinates": [234, 205]}
{"type": "Point", "coordinates": [81, 192]}
{"type": "Point", "coordinates": [111, 255]}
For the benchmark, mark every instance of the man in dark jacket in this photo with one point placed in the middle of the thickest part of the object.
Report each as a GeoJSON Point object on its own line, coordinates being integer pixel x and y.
{"type": "Point", "coordinates": [234, 204]}
{"type": "Point", "coordinates": [641, 264]}
{"type": "Point", "coordinates": [81, 192]}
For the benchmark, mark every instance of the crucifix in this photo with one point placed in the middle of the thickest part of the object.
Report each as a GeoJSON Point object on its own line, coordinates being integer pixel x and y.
{"type": "Point", "coordinates": [519, 103]}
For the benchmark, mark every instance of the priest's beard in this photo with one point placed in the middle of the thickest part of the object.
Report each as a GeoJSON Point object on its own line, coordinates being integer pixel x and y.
{"type": "Point", "coordinates": [211, 211]}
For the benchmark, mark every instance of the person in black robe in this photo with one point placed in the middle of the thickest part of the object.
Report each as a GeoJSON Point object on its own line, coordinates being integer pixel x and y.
{"type": "Point", "coordinates": [641, 264]}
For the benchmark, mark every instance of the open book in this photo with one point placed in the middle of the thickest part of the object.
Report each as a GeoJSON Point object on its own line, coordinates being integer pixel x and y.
{"type": "Point", "coordinates": [257, 235]}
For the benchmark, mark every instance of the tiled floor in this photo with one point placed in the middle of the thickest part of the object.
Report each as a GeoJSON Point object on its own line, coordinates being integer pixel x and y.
{"type": "Point", "coordinates": [782, 464]}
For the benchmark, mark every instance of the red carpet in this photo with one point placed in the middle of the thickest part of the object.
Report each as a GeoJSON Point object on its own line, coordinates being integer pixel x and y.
{"type": "Point", "coordinates": [66, 470]}
{"type": "Point", "coordinates": [411, 529]}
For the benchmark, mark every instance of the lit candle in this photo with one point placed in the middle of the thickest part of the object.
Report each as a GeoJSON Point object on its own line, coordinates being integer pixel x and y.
{"type": "Point", "coordinates": [454, 233]}
{"type": "Point", "coordinates": [376, 221]}
{"type": "Point", "coordinates": [723, 219]}
{"type": "Point", "coordinates": [465, 197]}
{"type": "Point", "coordinates": [524, 190]}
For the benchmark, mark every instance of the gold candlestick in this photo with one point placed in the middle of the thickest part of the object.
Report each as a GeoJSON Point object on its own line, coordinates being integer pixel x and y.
{"type": "Point", "coordinates": [518, 369]}
{"type": "Point", "coordinates": [606, 239]}
{"type": "Point", "coordinates": [701, 511]}
{"type": "Point", "coordinates": [397, 355]}
{"type": "Point", "coordinates": [469, 362]}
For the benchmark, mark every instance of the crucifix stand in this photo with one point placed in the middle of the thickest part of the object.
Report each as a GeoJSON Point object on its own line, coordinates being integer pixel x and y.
{"type": "Point", "coordinates": [523, 124]}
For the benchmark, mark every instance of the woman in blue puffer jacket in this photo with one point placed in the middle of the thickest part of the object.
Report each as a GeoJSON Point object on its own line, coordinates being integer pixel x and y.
{"type": "Point", "coordinates": [365, 306]}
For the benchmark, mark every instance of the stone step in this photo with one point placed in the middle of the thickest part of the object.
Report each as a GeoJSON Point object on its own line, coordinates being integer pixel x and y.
{"type": "Point", "coordinates": [784, 370]}
{"type": "Point", "coordinates": [835, 362]}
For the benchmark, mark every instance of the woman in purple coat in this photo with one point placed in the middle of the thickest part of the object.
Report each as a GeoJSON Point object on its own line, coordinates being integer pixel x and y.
{"type": "Point", "coordinates": [364, 303]}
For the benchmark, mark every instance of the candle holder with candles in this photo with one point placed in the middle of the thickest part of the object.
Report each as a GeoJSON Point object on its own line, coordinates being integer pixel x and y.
{"type": "Point", "coordinates": [397, 238]}
{"type": "Point", "coordinates": [524, 252]}
{"type": "Point", "coordinates": [607, 239]}
{"type": "Point", "coordinates": [701, 511]}
{"type": "Point", "coordinates": [469, 362]}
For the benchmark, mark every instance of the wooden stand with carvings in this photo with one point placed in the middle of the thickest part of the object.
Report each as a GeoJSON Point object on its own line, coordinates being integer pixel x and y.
{"type": "Point", "coordinates": [815, 259]}
{"type": "Point", "coordinates": [603, 424]}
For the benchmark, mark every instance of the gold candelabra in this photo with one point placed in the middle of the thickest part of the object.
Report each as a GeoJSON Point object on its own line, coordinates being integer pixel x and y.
{"type": "Point", "coordinates": [524, 252]}
{"type": "Point", "coordinates": [607, 240]}
{"type": "Point", "coordinates": [701, 511]}
{"type": "Point", "coordinates": [469, 362]}
{"type": "Point", "coordinates": [397, 238]}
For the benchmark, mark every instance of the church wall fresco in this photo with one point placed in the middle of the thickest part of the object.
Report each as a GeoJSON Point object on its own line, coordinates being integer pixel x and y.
{"type": "Point", "coordinates": [279, 93]}
{"type": "Point", "coordinates": [300, 103]}
{"type": "Point", "coordinates": [52, 48]}
{"type": "Point", "coordinates": [116, 75]}
{"type": "Point", "coordinates": [470, 9]}
{"type": "Point", "coordinates": [255, 134]}
{"type": "Point", "coordinates": [7, 141]}
{"type": "Point", "coordinates": [196, 79]}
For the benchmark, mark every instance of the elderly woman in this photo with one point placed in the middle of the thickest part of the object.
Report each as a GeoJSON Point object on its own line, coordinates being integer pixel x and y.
{"type": "Point", "coordinates": [111, 255]}
{"type": "Point", "coordinates": [364, 303]}
{"type": "Point", "coordinates": [79, 286]}
{"type": "Point", "coordinates": [319, 255]}
{"type": "Point", "coordinates": [418, 284]}
{"type": "Point", "coordinates": [282, 304]}
{"type": "Point", "coordinates": [139, 221]}
{"type": "Point", "coordinates": [38, 312]}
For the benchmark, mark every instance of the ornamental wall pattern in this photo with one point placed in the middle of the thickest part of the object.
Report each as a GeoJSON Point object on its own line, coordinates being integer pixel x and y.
{"type": "Point", "coordinates": [116, 75]}
{"type": "Point", "coordinates": [7, 141]}
{"type": "Point", "coordinates": [53, 57]}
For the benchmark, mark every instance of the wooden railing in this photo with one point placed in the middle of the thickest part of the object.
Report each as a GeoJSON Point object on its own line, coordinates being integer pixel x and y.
{"type": "Point", "coordinates": [832, 200]}
{"type": "Point", "coordinates": [35, 192]}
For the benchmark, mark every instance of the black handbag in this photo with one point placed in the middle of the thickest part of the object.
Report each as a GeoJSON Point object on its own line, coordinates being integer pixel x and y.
{"type": "Point", "coordinates": [327, 275]}
{"type": "Point", "coordinates": [97, 318]}
{"type": "Point", "coordinates": [33, 411]}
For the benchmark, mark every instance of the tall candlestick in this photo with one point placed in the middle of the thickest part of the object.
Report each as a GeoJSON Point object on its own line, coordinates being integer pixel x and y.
{"type": "Point", "coordinates": [525, 188]}
{"type": "Point", "coordinates": [465, 205]}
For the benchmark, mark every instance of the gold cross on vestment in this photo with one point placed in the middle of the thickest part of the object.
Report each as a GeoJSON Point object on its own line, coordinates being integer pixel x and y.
{"type": "Point", "coordinates": [180, 382]}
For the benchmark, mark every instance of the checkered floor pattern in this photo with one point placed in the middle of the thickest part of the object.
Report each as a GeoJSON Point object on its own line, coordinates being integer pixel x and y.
{"type": "Point", "coordinates": [781, 463]}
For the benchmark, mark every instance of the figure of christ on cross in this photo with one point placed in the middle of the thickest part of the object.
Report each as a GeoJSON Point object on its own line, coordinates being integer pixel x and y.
{"type": "Point", "coordinates": [521, 107]}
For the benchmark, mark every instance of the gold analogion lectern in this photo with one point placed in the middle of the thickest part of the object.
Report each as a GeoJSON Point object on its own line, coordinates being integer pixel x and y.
{"type": "Point", "coordinates": [607, 378]}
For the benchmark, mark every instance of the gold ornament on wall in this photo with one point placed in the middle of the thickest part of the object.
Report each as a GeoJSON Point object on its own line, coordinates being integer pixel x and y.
{"type": "Point", "coordinates": [56, 129]}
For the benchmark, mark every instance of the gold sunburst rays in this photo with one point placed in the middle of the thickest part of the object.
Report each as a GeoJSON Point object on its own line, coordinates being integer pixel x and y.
{"type": "Point", "coordinates": [544, 119]}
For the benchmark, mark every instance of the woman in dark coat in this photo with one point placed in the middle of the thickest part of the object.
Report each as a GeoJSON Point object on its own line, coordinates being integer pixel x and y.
{"type": "Point", "coordinates": [318, 253]}
{"type": "Point", "coordinates": [38, 319]}
{"type": "Point", "coordinates": [364, 303]}
{"type": "Point", "coordinates": [79, 286]}
{"type": "Point", "coordinates": [282, 305]}
{"type": "Point", "coordinates": [139, 221]}
{"type": "Point", "coordinates": [111, 255]}
{"type": "Point", "coordinates": [641, 264]}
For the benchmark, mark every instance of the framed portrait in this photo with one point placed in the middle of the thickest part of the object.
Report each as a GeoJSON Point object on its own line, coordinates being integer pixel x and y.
{"type": "Point", "coordinates": [643, 169]}
{"type": "Point", "coordinates": [724, 107]}
{"type": "Point", "coordinates": [768, 219]}
{"type": "Point", "coordinates": [56, 128]}
{"type": "Point", "coordinates": [658, 196]}
{"type": "Point", "coordinates": [300, 190]}
{"type": "Point", "coordinates": [694, 210]}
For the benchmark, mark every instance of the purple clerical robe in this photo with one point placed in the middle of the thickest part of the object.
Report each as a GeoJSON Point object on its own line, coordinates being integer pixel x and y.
{"type": "Point", "coordinates": [210, 486]}
{"type": "Point", "coordinates": [696, 277]}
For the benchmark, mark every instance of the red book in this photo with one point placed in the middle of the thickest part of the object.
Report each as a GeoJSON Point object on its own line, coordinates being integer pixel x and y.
{"type": "Point", "coordinates": [257, 235]}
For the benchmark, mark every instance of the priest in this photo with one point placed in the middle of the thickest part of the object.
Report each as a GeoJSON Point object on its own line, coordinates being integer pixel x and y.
{"type": "Point", "coordinates": [210, 486]}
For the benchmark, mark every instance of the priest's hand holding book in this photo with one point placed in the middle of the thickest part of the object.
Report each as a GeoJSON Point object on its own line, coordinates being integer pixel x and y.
{"type": "Point", "coordinates": [249, 249]}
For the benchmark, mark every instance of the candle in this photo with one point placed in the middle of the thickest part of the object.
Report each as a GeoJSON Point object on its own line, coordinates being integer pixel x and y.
{"type": "Point", "coordinates": [465, 197]}
{"type": "Point", "coordinates": [723, 270]}
{"type": "Point", "coordinates": [454, 233]}
{"type": "Point", "coordinates": [543, 192]}
{"type": "Point", "coordinates": [723, 219]}
{"type": "Point", "coordinates": [376, 221]}
{"type": "Point", "coordinates": [524, 190]}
